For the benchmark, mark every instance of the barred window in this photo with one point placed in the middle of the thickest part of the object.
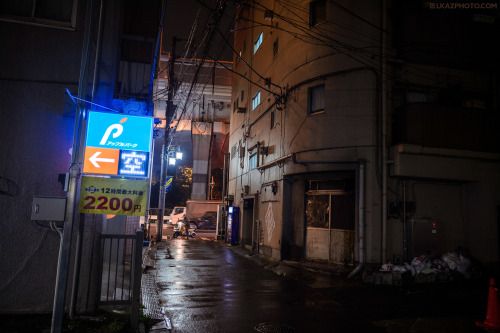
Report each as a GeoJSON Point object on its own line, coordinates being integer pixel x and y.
{"type": "Point", "coordinates": [60, 13]}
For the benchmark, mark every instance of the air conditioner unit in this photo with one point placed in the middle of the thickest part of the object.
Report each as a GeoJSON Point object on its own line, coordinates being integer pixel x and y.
{"type": "Point", "coordinates": [242, 110]}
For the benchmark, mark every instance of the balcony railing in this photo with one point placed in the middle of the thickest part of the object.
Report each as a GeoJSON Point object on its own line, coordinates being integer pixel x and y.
{"type": "Point", "coordinates": [438, 126]}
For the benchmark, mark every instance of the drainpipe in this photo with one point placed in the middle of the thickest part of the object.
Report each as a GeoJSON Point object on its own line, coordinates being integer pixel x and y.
{"type": "Point", "coordinates": [361, 219]}
{"type": "Point", "coordinates": [222, 218]}
{"type": "Point", "coordinates": [361, 204]}
{"type": "Point", "coordinates": [295, 161]}
{"type": "Point", "coordinates": [383, 129]}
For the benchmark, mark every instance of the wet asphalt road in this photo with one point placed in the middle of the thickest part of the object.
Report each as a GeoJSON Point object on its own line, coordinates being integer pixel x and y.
{"type": "Point", "coordinates": [206, 287]}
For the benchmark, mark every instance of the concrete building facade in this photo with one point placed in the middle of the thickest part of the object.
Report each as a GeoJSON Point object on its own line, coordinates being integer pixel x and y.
{"type": "Point", "coordinates": [99, 51]}
{"type": "Point", "coordinates": [357, 140]}
{"type": "Point", "coordinates": [200, 122]}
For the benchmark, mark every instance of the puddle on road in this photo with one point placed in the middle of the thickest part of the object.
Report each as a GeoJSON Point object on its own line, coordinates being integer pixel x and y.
{"type": "Point", "coordinates": [321, 283]}
{"type": "Point", "coordinates": [274, 328]}
{"type": "Point", "coordinates": [162, 285]}
{"type": "Point", "coordinates": [207, 316]}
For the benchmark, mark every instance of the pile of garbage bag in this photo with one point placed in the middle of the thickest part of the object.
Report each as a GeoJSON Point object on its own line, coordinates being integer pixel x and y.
{"type": "Point", "coordinates": [451, 262]}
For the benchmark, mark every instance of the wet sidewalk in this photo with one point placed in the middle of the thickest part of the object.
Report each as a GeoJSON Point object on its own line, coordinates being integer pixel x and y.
{"type": "Point", "coordinates": [207, 286]}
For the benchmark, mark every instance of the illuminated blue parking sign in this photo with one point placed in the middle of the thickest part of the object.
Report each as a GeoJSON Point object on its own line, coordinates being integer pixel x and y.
{"type": "Point", "coordinates": [119, 131]}
{"type": "Point", "coordinates": [118, 144]}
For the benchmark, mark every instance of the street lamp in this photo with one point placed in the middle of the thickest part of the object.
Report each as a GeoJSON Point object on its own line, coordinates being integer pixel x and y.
{"type": "Point", "coordinates": [170, 154]}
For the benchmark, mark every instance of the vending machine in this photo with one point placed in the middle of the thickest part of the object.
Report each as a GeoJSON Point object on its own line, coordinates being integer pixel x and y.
{"type": "Point", "coordinates": [233, 218]}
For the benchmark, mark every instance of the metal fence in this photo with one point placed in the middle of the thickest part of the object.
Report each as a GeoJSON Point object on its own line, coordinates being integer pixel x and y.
{"type": "Point", "coordinates": [120, 271]}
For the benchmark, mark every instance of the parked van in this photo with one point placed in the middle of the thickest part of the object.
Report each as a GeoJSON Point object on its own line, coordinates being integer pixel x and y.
{"type": "Point", "coordinates": [196, 208]}
{"type": "Point", "coordinates": [177, 214]}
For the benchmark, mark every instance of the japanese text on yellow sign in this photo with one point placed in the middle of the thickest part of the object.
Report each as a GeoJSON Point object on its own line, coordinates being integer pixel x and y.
{"type": "Point", "coordinates": [113, 196]}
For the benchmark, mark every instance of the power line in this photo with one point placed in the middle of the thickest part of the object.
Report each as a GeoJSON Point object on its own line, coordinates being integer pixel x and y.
{"type": "Point", "coordinates": [209, 35]}
{"type": "Point", "coordinates": [359, 57]}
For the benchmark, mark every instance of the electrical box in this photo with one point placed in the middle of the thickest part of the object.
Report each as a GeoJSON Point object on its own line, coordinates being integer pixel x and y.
{"type": "Point", "coordinates": [242, 152]}
{"type": "Point", "coordinates": [48, 208]}
{"type": "Point", "coordinates": [424, 237]}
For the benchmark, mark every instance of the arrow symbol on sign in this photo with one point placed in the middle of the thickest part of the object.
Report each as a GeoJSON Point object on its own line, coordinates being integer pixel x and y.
{"type": "Point", "coordinates": [94, 159]}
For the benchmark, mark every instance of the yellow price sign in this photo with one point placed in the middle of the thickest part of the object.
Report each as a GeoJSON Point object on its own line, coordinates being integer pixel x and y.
{"type": "Point", "coordinates": [113, 196]}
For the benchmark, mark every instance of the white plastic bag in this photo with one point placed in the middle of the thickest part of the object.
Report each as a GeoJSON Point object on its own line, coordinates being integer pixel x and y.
{"type": "Point", "coordinates": [463, 266]}
{"type": "Point", "coordinates": [451, 259]}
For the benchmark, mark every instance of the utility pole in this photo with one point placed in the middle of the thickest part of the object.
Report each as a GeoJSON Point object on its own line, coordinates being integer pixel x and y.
{"type": "Point", "coordinates": [169, 112]}
{"type": "Point", "coordinates": [71, 195]}
{"type": "Point", "coordinates": [161, 197]}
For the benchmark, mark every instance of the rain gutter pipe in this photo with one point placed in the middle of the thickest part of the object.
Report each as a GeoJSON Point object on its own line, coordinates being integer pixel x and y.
{"type": "Point", "coordinates": [361, 221]}
{"type": "Point", "coordinates": [222, 220]}
{"type": "Point", "coordinates": [361, 203]}
{"type": "Point", "coordinates": [383, 128]}
{"type": "Point", "coordinates": [276, 161]}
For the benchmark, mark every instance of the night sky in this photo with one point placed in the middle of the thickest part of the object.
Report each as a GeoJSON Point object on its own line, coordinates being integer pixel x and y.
{"type": "Point", "coordinates": [180, 19]}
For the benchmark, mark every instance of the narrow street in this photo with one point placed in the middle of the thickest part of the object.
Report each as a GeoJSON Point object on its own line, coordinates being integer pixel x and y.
{"type": "Point", "coordinates": [205, 286]}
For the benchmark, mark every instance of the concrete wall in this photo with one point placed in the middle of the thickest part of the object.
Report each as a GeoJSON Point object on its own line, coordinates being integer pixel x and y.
{"type": "Point", "coordinates": [459, 194]}
{"type": "Point", "coordinates": [347, 130]}
{"type": "Point", "coordinates": [37, 122]}
{"type": "Point", "coordinates": [38, 64]}
{"type": "Point", "coordinates": [455, 187]}
{"type": "Point", "coordinates": [458, 188]}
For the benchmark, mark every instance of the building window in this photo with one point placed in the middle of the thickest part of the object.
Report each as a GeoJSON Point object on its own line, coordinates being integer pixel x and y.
{"type": "Point", "coordinates": [257, 43]}
{"type": "Point", "coordinates": [330, 210]}
{"type": "Point", "coordinates": [234, 149]}
{"type": "Point", "coordinates": [242, 97]}
{"type": "Point", "coordinates": [275, 48]}
{"type": "Point", "coordinates": [235, 105]}
{"type": "Point", "coordinates": [316, 99]}
{"type": "Point", "coordinates": [273, 118]}
{"type": "Point", "coordinates": [252, 160]}
{"type": "Point", "coordinates": [317, 12]}
{"type": "Point", "coordinates": [256, 101]}
{"type": "Point", "coordinates": [60, 13]}
{"type": "Point", "coordinates": [237, 59]}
